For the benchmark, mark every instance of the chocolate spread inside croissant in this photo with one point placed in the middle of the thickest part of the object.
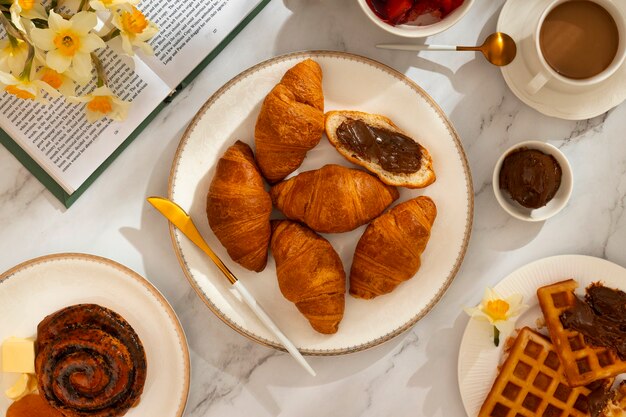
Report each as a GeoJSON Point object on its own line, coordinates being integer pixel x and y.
{"type": "Point", "coordinates": [388, 252]}
{"type": "Point", "coordinates": [310, 274]}
{"type": "Point", "coordinates": [239, 208]}
{"type": "Point", "coordinates": [333, 199]}
{"type": "Point", "coordinates": [291, 121]}
{"type": "Point", "coordinates": [89, 362]}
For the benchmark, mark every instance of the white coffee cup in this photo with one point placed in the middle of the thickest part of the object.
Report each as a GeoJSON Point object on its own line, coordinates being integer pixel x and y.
{"type": "Point", "coordinates": [547, 73]}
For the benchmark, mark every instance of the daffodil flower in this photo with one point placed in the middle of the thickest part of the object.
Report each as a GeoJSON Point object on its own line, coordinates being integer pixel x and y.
{"type": "Point", "coordinates": [29, 9]}
{"type": "Point", "coordinates": [60, 82]}
{"type": "Point", "coordinates": [102, 102]}
{"type": "Point", "coordinates": [13, 55]}
{"type": "Point", "coordinates": [27, 89]}
{"type": "Point", "coordinates": [69, 43]}
{"type": "Point", "coordinates": [135, 30]}
{"type": "Point", "coordinates": [102, 5]}
{"type": "Point", "coordinates": [498, 311]}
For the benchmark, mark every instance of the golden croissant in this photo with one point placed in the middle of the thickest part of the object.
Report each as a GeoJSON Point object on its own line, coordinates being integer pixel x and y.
{"type": "Point", "coordinates": [310, 274]}
{"type": "Point", "coordinates": [333, 199]}
{"type": "Point", "coordinates": [389, 250]}
{"type": "Point", "coordinates": [291, 121]}
{"type": "Point", "coordinates": [238, 208]}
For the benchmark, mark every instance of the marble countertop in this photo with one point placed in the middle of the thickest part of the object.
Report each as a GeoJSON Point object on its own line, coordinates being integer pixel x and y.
{"type": "Point", "coordinates": [414, 374]}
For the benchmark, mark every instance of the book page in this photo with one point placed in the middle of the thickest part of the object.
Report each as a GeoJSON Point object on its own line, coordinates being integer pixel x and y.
{"type": "Point", "coordinates": [189, 31]}
{"type": "Point", "coordinates": [59, 137]}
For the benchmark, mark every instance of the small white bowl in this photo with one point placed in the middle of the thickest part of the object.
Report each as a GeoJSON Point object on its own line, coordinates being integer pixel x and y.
{"type": "Point", "coordinates": [414, 31]}
{"type": "Point", "coordinates": [560, 198]}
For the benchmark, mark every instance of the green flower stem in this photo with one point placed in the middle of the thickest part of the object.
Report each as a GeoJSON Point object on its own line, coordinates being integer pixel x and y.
{"type": "Point", "coordinates": [13, 40]}
{"type": "Point", "coordinates": [496, 336]}
{"type": "Point", "coordinates": [9, 27]}
{"type": "Point", "coordinates": [84, 5]}
{"type": "Point", "coordinates": [113, 33]}
{"type": "Point", "coordinates": [102, 77]}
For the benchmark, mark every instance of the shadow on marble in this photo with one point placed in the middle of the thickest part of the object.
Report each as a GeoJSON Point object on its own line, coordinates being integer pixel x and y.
{"type": "Point", "coordinates": [430, 377]}
{"type": "Point", "coordinates": [320, 25]}
{"type": "Point", "coordinates": [505, 233]}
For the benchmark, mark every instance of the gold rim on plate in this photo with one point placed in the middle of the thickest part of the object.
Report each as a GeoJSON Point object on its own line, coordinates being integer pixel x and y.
{"type": "Point", "coordinates": [182, 339]}
{"type": "Point", "coordinates": [400, 77]}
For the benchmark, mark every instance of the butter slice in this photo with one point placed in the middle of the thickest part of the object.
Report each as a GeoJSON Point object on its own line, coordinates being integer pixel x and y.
{"type": "Point", "coordinates": [18, 355]}
{"type": "Point", "coordinates": [26, 384]}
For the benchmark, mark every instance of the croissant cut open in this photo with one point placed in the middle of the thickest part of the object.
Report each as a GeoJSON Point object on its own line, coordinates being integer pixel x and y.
{"type": "Point", "coordinates": [291, 121]}
{"type": "Point", "coordinates": [310, 274]}
{"type": "Point", "coordinates": [423, 173]}
{"type": "Point", "coordinates": [388, 253]}
{"type": "Point", "coordinates": [239, 208]}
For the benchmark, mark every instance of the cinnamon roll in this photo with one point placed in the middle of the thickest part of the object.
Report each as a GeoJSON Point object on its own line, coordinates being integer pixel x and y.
{"type": "Point", "coordinates": [89, 362]}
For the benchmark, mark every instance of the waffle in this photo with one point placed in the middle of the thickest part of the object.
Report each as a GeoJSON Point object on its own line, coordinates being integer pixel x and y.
{"type": "Point", "coordinates": [582, 363]}
{"type": "Point", "coordinates": [531, 383]}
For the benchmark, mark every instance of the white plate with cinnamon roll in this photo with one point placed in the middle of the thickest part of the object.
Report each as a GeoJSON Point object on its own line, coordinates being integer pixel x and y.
{"type": "Point", "coordinates": [106, 342]}
{"type": "Point", "coordinates": [345, 250]}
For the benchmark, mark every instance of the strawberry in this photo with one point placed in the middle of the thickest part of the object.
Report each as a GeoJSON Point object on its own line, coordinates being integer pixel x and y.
{"type": "Point", "coordinates": [397, 10]}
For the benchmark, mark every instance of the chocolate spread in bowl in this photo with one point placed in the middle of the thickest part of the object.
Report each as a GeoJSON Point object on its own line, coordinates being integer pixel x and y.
{"type": "Point", "coordinates": [393, 151]}
{"type": "Point", "coordinates": [531, 177]}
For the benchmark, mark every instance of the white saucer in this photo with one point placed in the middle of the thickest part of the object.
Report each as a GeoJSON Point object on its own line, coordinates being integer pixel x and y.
{"type": "Point", "coordinates": [552, 100]}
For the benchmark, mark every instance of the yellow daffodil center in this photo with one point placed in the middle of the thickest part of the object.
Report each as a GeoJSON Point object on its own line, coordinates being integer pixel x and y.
{"type": "Point", "coordinates": [134, 22]}
{"type": "Point", "coordinates": [52, 78]}
{"type": "Point", "coordinates": [26, 4]}
{"type": "Point", "coordinates": [18, 92]}
{"type": "Point", "coordinates": [497, 309]}
{"type": "Point", "coordinates": [100, 104]}
{"type": "Point", "coordinates": [67, 42]}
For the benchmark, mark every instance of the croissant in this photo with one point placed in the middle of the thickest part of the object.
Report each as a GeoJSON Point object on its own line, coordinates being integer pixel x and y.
{"type": "Point", "coordinates": [333, 199]}
{"type": "Point", "coordinates": [389, 250]}
{"type": "Point", "coordinates": [291, 121]}
{"type": "Point", "coordinates": [238, 208]}
{"type": "Point", "coordinates": [310, 274]}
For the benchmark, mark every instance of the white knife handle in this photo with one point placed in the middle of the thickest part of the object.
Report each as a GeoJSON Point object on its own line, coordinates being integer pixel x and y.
{"type": "Point", "coordinates": [407, 47]}
{"type": "Point", "coordinates": [267, 321]}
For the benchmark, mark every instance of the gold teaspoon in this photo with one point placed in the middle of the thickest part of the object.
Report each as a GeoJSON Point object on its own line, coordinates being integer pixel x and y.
{"type": "Point", "coordinates": [499, 48]}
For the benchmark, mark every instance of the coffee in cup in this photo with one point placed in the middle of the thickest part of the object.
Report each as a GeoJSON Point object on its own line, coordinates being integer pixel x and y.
{"type": "Point", "coordinates": [579, 42]}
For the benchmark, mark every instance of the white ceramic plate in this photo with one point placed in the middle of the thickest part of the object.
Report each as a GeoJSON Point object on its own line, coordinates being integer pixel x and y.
{"type": "Point", "coordinates": [552, 100]}
{"type": "Point", "coordinates": [479, 358]}
{"type": "Point", "coordinates": [350, 82]}
{"type": "Point", "coordinates": [31, 291]}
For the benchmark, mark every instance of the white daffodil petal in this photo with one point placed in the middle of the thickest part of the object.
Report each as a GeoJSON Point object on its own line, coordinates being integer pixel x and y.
{"type": "Point", "coordinates": [82, 64]}
{"type": "Point", "coordinates": [56, 23]}
{"type": "Point", "coordinates": [127, 46]}
{"type": "Point", "coordinates": [491, 294]}
{"type": "Point", "coordinates": [93, 116]}
{"type": "Point", "coordinates": [102, 91]}
{"type": "Point", "coordinates": [68, 88]}
{"type": "Point", "coordinates": [57, 61]}
{"type": "Point", "coordinates": [47, 88]}
{"type": "Point", "coordinates": [472, 311]}
{"type": "Point", "coordinates": [7, 79]}
{"type": "Point", "coordinates": [84, 21]}
{"type": "Point", "coordinates": [43, 38]}
{"type": "Point", "coordinates": [90, 43]}
{"type": "Point", "coordinates": [505, 327]}
{"type": "Point", "coordinates": [37, 12]}
{"type": "Point", "coordinates": [146, 48]}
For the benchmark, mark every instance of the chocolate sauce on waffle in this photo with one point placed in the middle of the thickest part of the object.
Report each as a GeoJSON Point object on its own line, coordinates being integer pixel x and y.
{"type": "Point", "coordinates": [601, 318]}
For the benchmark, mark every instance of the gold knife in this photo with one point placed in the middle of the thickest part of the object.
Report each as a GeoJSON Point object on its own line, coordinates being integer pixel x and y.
{"type": "Point", "coordinates": [179, 218]}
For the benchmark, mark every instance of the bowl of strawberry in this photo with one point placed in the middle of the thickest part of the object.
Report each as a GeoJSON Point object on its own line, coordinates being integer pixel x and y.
{"type": "Point", "coordinates": [415, 18]}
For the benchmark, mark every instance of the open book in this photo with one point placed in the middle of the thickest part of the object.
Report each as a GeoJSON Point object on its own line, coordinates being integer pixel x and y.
{"type": "Point", "coordinates": [66, 152]}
